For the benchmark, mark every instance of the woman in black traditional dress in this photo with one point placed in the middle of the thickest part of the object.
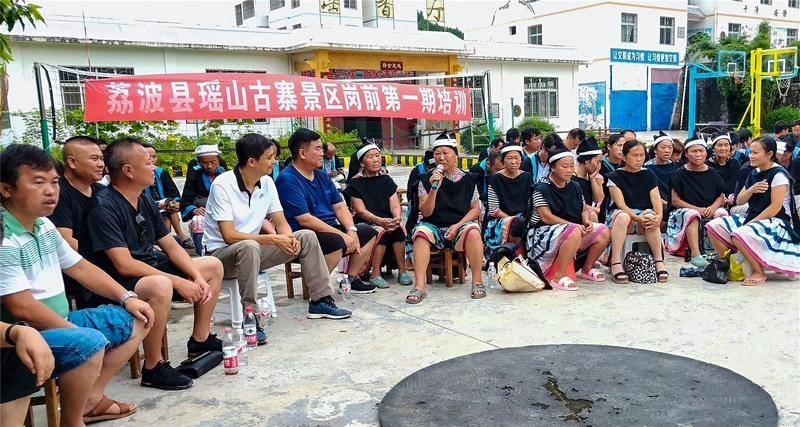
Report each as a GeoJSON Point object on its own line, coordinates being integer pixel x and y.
{"type": "Point", "coordinates": [508, 193]}
{"type": "Point", "coordinates": [374, 200]}
{"type": "Point", "coordinates": [724, 163]}
{"type": "Point", "coordinates": [635, 209]}
{"type": "Point", "coordinates": [697, 192]}
{"type": "Point", "coordinates": [588, 176]}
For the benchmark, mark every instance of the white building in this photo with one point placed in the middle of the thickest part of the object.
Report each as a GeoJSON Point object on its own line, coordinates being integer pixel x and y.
{"type": "Point", "coordinates": [742, 17]}
{"type": "Point", "coordinates": [111, 46]}
{"type": "Point", "coordinates": [295, 14]}
{"type": "Point", "coordinates": [635, 51]}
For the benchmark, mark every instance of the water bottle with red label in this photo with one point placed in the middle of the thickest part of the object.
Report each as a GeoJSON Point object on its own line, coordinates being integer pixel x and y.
{"type": "Point", "coordinates": [250, 328]}
{"type": "Point", "coordinates": [230, 356]}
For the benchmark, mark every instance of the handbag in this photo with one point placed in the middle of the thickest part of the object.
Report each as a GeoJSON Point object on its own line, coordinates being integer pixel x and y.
{"type": "Point", "coordinates": [640, 267]}
{"type": "Point", "coordinates": [718, 269]}
{"type": "Point", "coordinates": [197, 366]}
{"type": "Point", "coordinates": [518, 276]}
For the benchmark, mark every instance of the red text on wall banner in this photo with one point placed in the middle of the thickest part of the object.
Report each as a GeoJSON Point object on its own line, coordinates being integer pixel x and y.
{"type": "Point", "coordinates": [255, 96]}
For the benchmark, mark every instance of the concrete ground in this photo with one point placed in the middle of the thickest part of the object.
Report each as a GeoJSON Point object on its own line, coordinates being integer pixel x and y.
{"type": "Point", "coordinates": [335, 373]}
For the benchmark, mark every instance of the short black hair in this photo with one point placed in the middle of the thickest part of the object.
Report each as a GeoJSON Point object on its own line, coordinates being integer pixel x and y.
{"type": "Point", "coordinates": [630, 145]}
{"type": "Point", "coordinates": [116, 155]}
{"type": "Point", "coordinates": [624, 131]}
{"type": "Point", "coordinates": [498, 142]}
{"type": "Point", "coordinates": [18, 155]}
{"type": "Point", "coordinates": [300, 139]}
{"type": "Point", "coordinates": [744, 134]}
{"type": "Point", "coordinates": [512, 134]}
{"type": "Point", "coordinates": [492, 157]}
{"type": "Point", "coordinates": [529, 133]}
{"type": "Point", "coordinates": [552, 141]}
{"type": "Point", "coordinates": [577, 133]}
{"type": "Point", "coordinates": [796, 123]}
{"type": "Point", "coordinates": [77, 139]}
{"type": "Point", "coordinates": [252, 146]}
{"type": "Point", "coordinates": [779, 127]}
{"type": "Point", "coordinates": [149, 145]}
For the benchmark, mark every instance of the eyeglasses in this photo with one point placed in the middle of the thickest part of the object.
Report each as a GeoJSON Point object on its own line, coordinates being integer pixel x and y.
{"type": "Point", "coordinates": [141, 222]}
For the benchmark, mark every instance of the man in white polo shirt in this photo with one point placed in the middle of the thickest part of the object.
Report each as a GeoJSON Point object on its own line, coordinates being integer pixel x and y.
{"type": "Point", "coordinates": [236, 210]}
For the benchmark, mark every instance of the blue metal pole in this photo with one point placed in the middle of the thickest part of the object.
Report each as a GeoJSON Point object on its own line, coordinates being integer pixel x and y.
{"type": "Point", "coordinates": [692, 99]}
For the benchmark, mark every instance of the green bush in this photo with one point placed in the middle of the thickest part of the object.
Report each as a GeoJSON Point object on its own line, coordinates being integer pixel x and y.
{"type": "Point", "coordinates": [476, 138]}
{"type": "Point", "coordinates": [787, 115]}
{"type": "Point", "coordinates": [540, 123]}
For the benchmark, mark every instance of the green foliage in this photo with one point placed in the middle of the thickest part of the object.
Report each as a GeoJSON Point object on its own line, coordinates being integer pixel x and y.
{"type": "Point", "coordinates": [425, 25]}
{"type": "Point", "coordinates": [787, 115]}
{"type": "Point", "coordinates": [13, 12]}
{"type": "Point", "coordinates": [540, 123]}
{"type": "Point", "coordinates": [475, 138]}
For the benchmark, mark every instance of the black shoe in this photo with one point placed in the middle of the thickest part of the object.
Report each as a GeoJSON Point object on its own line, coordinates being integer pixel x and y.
{"type": "Point", "coordinates": [165, 377]}
{"type": "Point", "coordinates": [212, 343]}
{"type": "Point", "coordinates": [261, 336]}
{"type": "Point", "coordinates": [359, 287]}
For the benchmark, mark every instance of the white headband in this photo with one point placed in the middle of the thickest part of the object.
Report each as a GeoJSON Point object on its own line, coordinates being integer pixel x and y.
{"type": "Point", "coordinates": [449, 143]}
{"type": "Point", "coordinates": [725, 136]}
{"type": "Point", "coordinates": [698, 141]}
{"type": "Point", "coordinates": [662, 138]}
{"type": "Point", "coordinates": [511, 148]}
{"type": "Point", "coordinates": [590, 153]}
{"type": "Point", "coordinates": [206, 150]}
{"type": "Point", "coordinates": [363, 150]}
{"type": "Point", "coordinates": [559, 156]}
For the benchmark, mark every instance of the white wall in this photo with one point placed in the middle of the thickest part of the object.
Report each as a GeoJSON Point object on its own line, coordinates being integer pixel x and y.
{"type": "Point", "coordinates": [721, 13]}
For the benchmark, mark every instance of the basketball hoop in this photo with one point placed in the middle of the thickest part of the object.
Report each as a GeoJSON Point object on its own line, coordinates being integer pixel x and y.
{"type": "Point", "coordinates": [784, 83]}
{"type": "Point", "coordinates": [737, 77]}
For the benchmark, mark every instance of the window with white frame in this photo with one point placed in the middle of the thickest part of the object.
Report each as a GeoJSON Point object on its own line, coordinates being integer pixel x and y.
{"type": "Point", "coordinates": [666, 32]}
{"type": "Point", "coordinates": [248, 9]}
{"type": "Point", "coordinates": [791, 35]}
{"type": "Point", "coordinates": [535, 34]}
{"type": "Point", "coordinates": [72, 84]}
{"type": "Point", "coordinates": [350, 4]}
{"type": "Point", "coordinates": [276, 4]}
{"type": "Point", "coordinates": [512, 30]}
{"type": "Point", "coordinates": [766, 1]}
{"type": "Point", "coordinates": [237, 11]}
{"type": "Point", "coordinates": [295, 4]}
{"type": "Point", "coordinates": [541, 96]}
{"type": "Point", "coordinates": [628, 27]}
{"type": "Point", "coordinates": [734, 29]}
{"type": "Point", "coordinates": [795, 4]}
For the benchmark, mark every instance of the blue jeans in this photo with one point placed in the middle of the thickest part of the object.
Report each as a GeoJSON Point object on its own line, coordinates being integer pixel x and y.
{"type": "Point", "coordinates": [113, 321]}
{"type": "Point", "coordinates": [72, 347]}
{"type": "Point", "coordinates": [197, 238]}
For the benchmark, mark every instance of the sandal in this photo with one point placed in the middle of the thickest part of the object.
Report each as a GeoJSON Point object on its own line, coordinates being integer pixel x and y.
{"type": "Point", "coordinates": [662, 275]}
{"type": "Point", "coordinates": [416, 296]}
{"type": "Point", "coordinates": [619, 277]}
{"type": "Point", "coordinates": [478, 291]}
{"type": "Point", "coordinates": [99, 412]}
{"type": "Point", "coordinates": [594, 275]}
{"type": "Point", "coordinates": [753, 282]}
{"type": "Point", "coordinates": [564, 284]}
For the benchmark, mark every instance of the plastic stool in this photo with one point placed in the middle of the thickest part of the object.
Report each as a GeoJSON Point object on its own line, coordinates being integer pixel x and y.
{"type": "Point", "coordinates": [235, 310]}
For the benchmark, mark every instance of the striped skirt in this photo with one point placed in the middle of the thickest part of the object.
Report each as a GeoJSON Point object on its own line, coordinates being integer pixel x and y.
{"type": "Point", "coordinates": [544, 241]}
{"type": "Point", "coordinates": [678, 220]}
{"type": "Point", "coordinates": [498, 230]}
{"type": "Point", "coordinates": [768, 241]}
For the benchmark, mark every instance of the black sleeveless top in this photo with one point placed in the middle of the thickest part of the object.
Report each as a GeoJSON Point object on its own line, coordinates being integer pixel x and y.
{"type": "Point", "coordinates": [512, 194]}
{"type": "Point", "coordinates": [759, 202]}
{"type": "Point", "coordinates": [565, 203]}
{"type": "Point", "coordinates": [452, 201]}
{"type": "Point", "coordinates": [635, 187]}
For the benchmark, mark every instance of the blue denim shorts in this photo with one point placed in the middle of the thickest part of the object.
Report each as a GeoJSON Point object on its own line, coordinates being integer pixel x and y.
{"type": "Point", "coordinates": [113, 321]}
{"type": "Point", "coordinates": [72, 347]}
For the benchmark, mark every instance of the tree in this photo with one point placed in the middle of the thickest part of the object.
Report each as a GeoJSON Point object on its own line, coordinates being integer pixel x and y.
{"type": "Point", "coordinates": [425, 25]}
{"type": "Point", "coordinates": [13, 12]}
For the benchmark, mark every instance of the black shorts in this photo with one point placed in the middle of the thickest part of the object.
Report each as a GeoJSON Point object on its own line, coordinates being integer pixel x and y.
{"type": "Point", "coordinates": [18, 381]}
{"type": "Point", "coordinates": [394, 236]}
{"type": "Point", "coordinates": [332, 242]}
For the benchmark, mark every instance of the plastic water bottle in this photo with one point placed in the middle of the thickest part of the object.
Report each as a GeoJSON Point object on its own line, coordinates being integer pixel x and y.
{"type": "Point", "coordinates": [491, 273]}
{"type": "Point", "coordinates": [250, 328]}
{"type": "Point", "coordinates": [344, 285]}
{"type": "Point", "coordinates": [230, 356]}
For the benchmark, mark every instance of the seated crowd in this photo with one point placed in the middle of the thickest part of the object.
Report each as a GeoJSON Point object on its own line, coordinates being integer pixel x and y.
{"type": "Point", "coordinates": [89, 266]}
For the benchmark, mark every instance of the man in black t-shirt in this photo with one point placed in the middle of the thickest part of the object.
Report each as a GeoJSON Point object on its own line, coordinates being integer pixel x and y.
{"type": "Point", "coordinates": [126, 226]}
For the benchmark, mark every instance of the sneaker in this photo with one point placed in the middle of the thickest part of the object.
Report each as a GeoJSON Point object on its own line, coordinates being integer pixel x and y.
{"type": "Point", "coordinates": [261, 336]}
{"type": "Point", "coordinates": [326, 308]}
{"type": "Point", "coordinates": [212, 343]}
{"type": "Point", "coordinates": [379, 282]}
{"type": "Point", "coordinates": [188, 243]}
{"type": "Point", "coordinates": [359, 287]}
{"type": "Point", "coordinates": [699, 261]}
{"type": "Point", "coordinates": [165, 377]}
{"type": "Point", "coordinates": [404, 279]}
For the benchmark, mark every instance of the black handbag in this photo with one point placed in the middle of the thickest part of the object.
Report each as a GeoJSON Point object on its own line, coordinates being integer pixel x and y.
{"type": "Point", "coordinates": [717, 270]}
{"type": "Point", "coordinates": [197, 366]}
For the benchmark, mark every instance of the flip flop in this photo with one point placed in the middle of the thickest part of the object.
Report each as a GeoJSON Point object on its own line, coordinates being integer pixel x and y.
{"type": "Point", "coordinates": [756, 282]}
{"type": "Point", "coordinates": [593, 275]}
{"type": "Point", "coordinates": [415, 296]}
{"type": "Point", "coordinates": [620, 277]}
{"type": "Point", "coordinates": [99, 412]}
{"type": "Point", "coordinates": [478, 291]}
{"type": "Point", "coordinates": [564, 284]}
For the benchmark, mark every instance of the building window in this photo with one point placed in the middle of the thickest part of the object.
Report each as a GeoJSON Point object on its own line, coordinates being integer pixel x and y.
{"type": "Point", "coordinates": [766, 2]}
{"type": "Point", "coordinates": [541, 96]}
{"type": "Point", "coordinates": [296, 26]}
{"type": "Point", "coordinates": [72, 88]}
{"type": "Point", "coordinates": [629, 27]}
{"type": "Point", "coordinates": [237, 10]}
{"type": "Point", "coordinates": [666, 33]}
{"type": "Point", "coordinates": [295, 4]}
{"type": "Point", "coordinates": [794, 4]}
{"type": "Point", "coordinates": [535, 34]}
{"type": "Point", "coordinates": [248, 9]}
{"type": "Point", "coordinates": [350, 4]}
{"type": "Point", "coordinates": [681, 32]}
{"type": "Point", "coordinates": [276, 4]}
{"type": "Point", "coordinates": [512, 30]}
{"type": "Point", "coordinates": [791, 35]}
{"type": "Point", "coordinates": [734, 30]}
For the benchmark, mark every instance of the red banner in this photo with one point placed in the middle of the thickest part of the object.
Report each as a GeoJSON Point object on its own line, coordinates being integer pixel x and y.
{"type": "Point", "coordinates": [255, 96]}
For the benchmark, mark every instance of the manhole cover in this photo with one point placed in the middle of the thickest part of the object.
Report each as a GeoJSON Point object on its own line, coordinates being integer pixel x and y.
{"type": "Point", "coordinates": [588, 384]}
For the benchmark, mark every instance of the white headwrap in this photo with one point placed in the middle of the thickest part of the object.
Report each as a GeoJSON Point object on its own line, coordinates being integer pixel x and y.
{"type": "Point", "coordinates": [697, 141]}
{"type": "Point", "coordinates": [510, 148]}
{"type": "Point", "coordinates": [206, 150]}
{"type": "Point", "coordinates": [718, 137]}
{"type": "Point", "coordinates": [363, 150]}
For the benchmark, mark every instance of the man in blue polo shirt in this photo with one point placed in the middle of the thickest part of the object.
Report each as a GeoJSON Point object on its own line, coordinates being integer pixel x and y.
{"type": "Point", "coordinates": [311, 201]}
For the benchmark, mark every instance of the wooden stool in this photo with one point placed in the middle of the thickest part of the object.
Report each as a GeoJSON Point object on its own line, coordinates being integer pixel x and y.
{"type": "Point", "coordinates": [442, 263]}
{"type": "Point", "coordinates": [290, 276]}
{"type": "Point", "coordinates": [51, 401]}
{"type": "Point", "coordinates": [136, 359]}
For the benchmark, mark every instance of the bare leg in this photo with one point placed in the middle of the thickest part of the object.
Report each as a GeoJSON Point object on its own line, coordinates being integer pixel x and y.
{"type": "Point", "coordinates": [156, 291]}
{"type": "Point", "coordinates": [757, 271]}
{"type": "Point", "coordinates": [421, 258]}
{"type": "Point", "coordinates": [653, 237]}
{"type": "Point", "coordinates": [473, 249]}
{"type": "Point", "coordinates": [619, 232]}
{"type": "Point", "coordinates": [358, 261]}
{"type": "Point", "coordinates": [399, 249]}
{"type": "Point", "coordinates": [692, 236]}
{"type": "Point", "coordinates": [13, 413]}
{"type": "Point", "coordinates": [566, 253]}
{"type": "Point", "coordinates": [596, 249]}
{"type": "Point", "coordinates": [718, 245]}
{"type": "Point", "coordinates": [377, 257]}
{"type": "Point", "coordinates": [211, 269]}
{"type": "Point", "coordinates": [75, 386]}
{"type": "Point", "coordinates": [113, 361]}
{"type": "Point", "coordinates": [332, 259]}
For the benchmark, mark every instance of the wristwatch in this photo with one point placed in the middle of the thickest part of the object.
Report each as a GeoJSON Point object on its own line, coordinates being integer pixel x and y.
{"type": "Point", "coordinates": [352, 228]}
{"type": "Point", "coordinates": [126, 296]}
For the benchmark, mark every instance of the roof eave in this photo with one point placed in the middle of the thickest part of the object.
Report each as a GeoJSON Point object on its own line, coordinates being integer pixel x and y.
{"type": "Point", "coordinates": [135, 43]}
